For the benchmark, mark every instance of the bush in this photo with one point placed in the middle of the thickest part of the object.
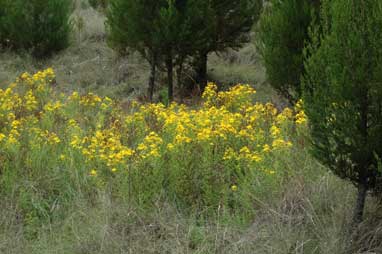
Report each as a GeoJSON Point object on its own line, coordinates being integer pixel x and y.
{"type": "Point", "coordinates": [343, 93]}
{"type": "Point", "coordinates": [43, 27]}
{"type": "Point", "coordinates": [283, 31]}
{"type": "Point", "coordinates": [96, 4]}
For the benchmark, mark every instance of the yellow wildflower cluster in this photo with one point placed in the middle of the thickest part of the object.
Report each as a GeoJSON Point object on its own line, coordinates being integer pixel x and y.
{"type": "Point", "coordinates": [230, 123]}
{"type": "Point", "coordinates": [150, 146]}
{"type": "Point", "coordinates": [44, 136]}
{"type": "Point", "coordinates": [301, 117]}
{"type": "Point", "coordinates": [229, 126]}
{"type": "Point", "coordinates": [105, 146]}
{"type": "Point", "coordinates": [236, 97]}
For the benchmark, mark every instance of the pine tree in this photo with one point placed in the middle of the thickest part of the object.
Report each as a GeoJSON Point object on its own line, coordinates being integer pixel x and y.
{"type": "Point", "coordinates": [42, 27]}
{"type": "Point", "coordinates": [165, 32]}
{"type": "Point", "coordinates": [343, 91]}
{"type": "Point", "coordinates": [282, 33]}
{"type": "Point", "coordinates": [130, 25]}
{"type": "Point", "coordinates": [229, 25]}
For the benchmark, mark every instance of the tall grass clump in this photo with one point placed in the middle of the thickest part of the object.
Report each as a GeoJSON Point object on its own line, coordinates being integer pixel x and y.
{"type": "Point", "coordinates": [39, 26]}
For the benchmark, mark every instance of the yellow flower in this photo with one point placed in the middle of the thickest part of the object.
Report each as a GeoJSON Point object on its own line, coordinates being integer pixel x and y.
{"type": "Point", "coordinates": [266, 148]}
{"type": "Point", "coordinates": [113, 170]}
{"type": "Point", "coordinates": [255, 157]}
{"type": "Point", "coordinates": [275, 131]}
{"type": "Point", "coordinates": [301, 117]}
{"type": "Point", "coordinates": [30, 101]}
{"type": "Point", "coordinates": [2, 136]}
{"type": "Point", "coordinates": [52, 106]}
{"type": "Point", "coordinates": [53, 138]}
{"type": "Point", "coordinates": [229, 154]}
{"type": "Point", "coordinates": [25, 75]}
{"type": "Point", "coordinates": [142, 147]}
{"type": "Point", "coordinates": [280, 143]}
{"type": "Point", "coordinates": [16, 124]}
{"type": "Point", "coordinates": [245, 150]}
{"type": "Point", "coordinates": [12, 140]}
{"type": "Point", "coordinates": [75, 142]}
{"type": "Point", "coordinates": [93, 172]}
{"type": "Point", "coordinates": [170, 146]}
{"type": "Point", "coordinates": [234, 188]}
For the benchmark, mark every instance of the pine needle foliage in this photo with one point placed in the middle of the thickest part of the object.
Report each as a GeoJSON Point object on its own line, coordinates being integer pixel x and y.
{"type": "Point", "coordinates": [229, 24]}
{"type": "Point", "coordinates": [42, 27]}
{"type": "Point", "coordinates": [282, 33]}
{"type": "Point", "coordinates": [164, 32]}
{"type": "Point", "coordinates": [343, 91]}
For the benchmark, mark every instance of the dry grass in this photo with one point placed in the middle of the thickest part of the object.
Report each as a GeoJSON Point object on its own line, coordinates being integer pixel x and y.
{"type": "Point", "coordinates": [309, 215]}
{"type": "Point", "coordinates": [90, 65]}
{"type": "Point", "coordinates": [306, 219]}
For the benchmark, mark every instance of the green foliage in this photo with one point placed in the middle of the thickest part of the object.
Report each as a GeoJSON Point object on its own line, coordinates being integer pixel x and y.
{"type": "Point", "coordinates": [2, 16]}
{"type": "Point", "coordinates": [176, 32]}
{"type": "Point", "coordinates": [342, 90]}
{"type": "Point", "coordinates": [96, 4]}
{"type": "Point", "coordinates": [163, 97]}
{"type": "Point", "coordinates": [169, 33]}
{"type": "Point", "coordinates": [283, 31]}
{"type": "Point", "coordinates": [228, 24]}
{"type": "Point", "coordinates": [231, 22]}
{"type": "Point", "coordinates": [37, 25]}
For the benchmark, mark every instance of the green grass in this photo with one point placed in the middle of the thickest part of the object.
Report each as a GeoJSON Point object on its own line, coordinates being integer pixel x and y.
{"type": "Point", "coordinates": [308, 218]}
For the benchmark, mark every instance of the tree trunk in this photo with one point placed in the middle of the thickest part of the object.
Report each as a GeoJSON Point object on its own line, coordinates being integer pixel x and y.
{"type": "Point", "coordinates": [170, 78]}
{"type": "Point", "coordinates": [360, 205]}
{"type": "Point", "coordinates": [201, 70]}
{"type": "Point", "coordinates": [152, 78]}
{"type": "Point", "coordinates": [179, 80]}
{"type": "Point", "coordinates": [357, 216]}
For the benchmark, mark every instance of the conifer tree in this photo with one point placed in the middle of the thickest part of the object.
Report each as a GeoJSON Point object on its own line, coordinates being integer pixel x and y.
{"type": "Point", "coordinates": [130, 25]}
{"type": "Point", "coordinates": [343, 91]}
{"type": "Point", "coordinates": [165, 32]}
{"type": "Point", "coordinates": [282, 33]}
{"type": "Point", "coordinates": [229, 25]}
{"type": "Point", "coordinates": [42, 27]}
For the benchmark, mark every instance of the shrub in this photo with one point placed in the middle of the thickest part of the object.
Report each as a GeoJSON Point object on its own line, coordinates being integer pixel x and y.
{"type": "Point", "coordinates": [43, 27]}
{"type": "Point", "coordinates": [342, 90]}
{"type": "Point", "coordinates": [2, 15]}
{"type": "Point", "coordinates": [168, 37]}
{"type": "Point", "coordinates": [228, 25]}
{"type": "Point", "coordinates": [283, 30]}
{"type": "Point", "coordinates": [96, 4]}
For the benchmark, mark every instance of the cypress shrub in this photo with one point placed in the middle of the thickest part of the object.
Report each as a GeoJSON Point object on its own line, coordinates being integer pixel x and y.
{"type": "Point", "coordinates": [282, 33]}
{"type": "Point", "coordinates": [42, 27]}
{"type": "Point", "coordinates": [342, 93]}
